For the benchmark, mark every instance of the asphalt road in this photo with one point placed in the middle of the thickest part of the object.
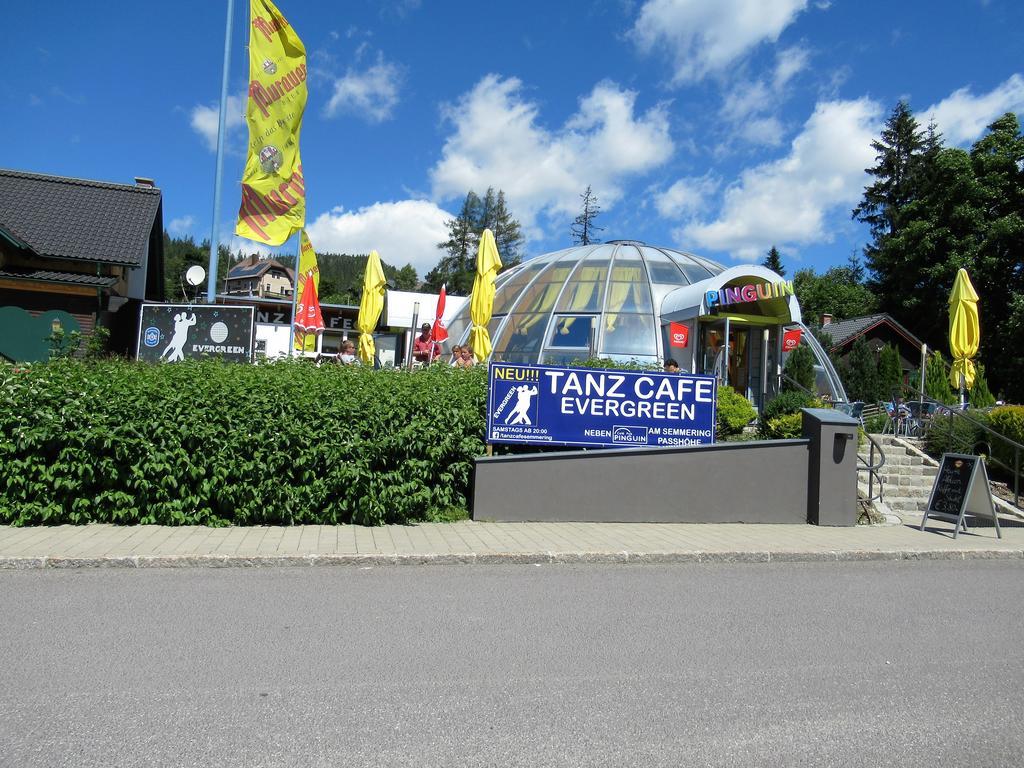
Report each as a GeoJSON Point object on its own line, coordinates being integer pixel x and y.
{"type": "Point", "coordinates": [903, 664]}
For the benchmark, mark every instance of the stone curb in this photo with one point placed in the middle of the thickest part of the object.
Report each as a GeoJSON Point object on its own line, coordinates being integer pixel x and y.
{"type": "Point", "coordinates": [499, 558]}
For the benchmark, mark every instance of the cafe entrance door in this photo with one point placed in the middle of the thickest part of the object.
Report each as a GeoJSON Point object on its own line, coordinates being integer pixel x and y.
{"type": "Point", "coordinates": [737, 354]}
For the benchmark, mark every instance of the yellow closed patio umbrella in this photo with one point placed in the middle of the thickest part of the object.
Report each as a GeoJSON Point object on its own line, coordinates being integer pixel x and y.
{"type": "Point", "coordinates": [370, 306]}
{"type": "Point", "coordinates": [964, 331]}
{"type": "Point", "coordinates": [488, 262]}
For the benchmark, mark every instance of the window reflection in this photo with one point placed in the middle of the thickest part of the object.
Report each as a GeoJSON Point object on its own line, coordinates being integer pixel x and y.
{"type": "Point", "coordinates": [571, 331]}
{"type": "Point", "coordinates": [585, 292]}
{"type": "Point", "coordinates": [629, 334]}
{"type": "Point", "coordinates": [522, 336]}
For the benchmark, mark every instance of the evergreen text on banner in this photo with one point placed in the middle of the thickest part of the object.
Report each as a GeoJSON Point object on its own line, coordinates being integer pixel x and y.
{"type": "Point", "coordinates": [273, 191]}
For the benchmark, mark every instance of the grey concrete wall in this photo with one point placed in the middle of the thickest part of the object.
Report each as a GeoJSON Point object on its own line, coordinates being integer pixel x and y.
{"type": "Point", "coordinates": [756, 482]}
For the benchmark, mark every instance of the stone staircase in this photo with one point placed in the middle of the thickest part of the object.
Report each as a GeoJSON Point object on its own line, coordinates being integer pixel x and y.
{"type": "Point", "coordinates": [907, 478]}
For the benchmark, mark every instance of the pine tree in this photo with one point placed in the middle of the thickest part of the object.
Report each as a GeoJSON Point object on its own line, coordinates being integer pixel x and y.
{"type": "Point", "coordinates": [773, 261]}
{"type": "Point", "coordinates": [936, 380]}
{"type": "Point", "coordinates": [998, 271]}
{"type": "Point", "coordinates": [861, 379]}
{"type": "Point", "coordinates": [890, 370]}
{"type": "Point", "coordinates": [458, 269]}
{"type": "Point", "coordinates": [898, 151]}
{"type": "Point", "coordinates": [799, 368]}
{"type": "Point", "coordinates": [583, 226]}
{"type": "Point", "coordinates": [507, 233]}
{"type": "Point", "coordinates": [981, 396]}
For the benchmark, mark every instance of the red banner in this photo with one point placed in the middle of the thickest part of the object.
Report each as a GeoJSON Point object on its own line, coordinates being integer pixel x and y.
{"type": "Point", "coordinates": [791, 340]}
{"type": "Point", "coordinates": [679, 335]}
{"type": "Point", "coordinates": [439, 332]}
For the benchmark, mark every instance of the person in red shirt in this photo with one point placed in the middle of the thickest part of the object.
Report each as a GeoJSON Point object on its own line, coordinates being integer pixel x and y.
{"type": "Point", "coordinates": [424, 349]}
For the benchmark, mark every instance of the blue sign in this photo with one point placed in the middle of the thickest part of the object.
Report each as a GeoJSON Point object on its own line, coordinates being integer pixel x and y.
{"type": "Point", "coordinates": [152, 336]}
{"type": "Point", "coordinates": [592, 406]}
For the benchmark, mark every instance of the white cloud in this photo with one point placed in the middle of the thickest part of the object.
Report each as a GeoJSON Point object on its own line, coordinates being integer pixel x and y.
{"type": "Point", "coordinates": [788, 64]}
{"type": "Point", "coordinates": [371, 94]}
{"type": "Point", "coordinates": [182, 225]}
{"type": "Point", "coordinates": [762, 131]}
{"type": "Point", "coordinates": [499, 142]}
{"type": "Point", "coordinates": [786, 201]}
{"type": "Point", "coordinates": [402, 232]}
{"type": "Point", "coordinates": [242, 245]}
{"type": "Point", "coordinates": [706, 37]}
{"type": "Point", "coordinates": [686, 197]}
{"type": "Point", "coordinates": [204, 119]}
{"type": "Point", "coordinates": [963, 117]}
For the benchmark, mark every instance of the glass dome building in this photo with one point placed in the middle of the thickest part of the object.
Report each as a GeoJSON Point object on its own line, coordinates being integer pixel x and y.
{"type": "Point", "coordinates": [626, 300]}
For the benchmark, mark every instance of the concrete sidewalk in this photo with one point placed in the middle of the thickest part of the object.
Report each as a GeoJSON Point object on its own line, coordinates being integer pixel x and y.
{"type": "Point", "coordinates": [479, 542]}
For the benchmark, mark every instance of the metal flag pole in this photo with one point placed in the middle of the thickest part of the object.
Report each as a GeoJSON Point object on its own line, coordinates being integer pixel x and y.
{"type": "Point", "coordinates": [211, 283]}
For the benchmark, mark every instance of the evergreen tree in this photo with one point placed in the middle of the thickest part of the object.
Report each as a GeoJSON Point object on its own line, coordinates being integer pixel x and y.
{"type": "Point", "coordinates": [998, 269]}
{"type": "Point", "coordinates": [899, 150]}
{"type": "Point", "coordinates": [980, 396]}
{"type": "Point", "coordinates": [583, 226]}
{"type": "Point", "coordinates": [800, 368]}
{"type": "Point", "coordinates": [406, 278]}
{"type": "Point", "coordinates": [890, 370]}
{"type": "Point", "coordinates": [936, 380]}
{"type": "Point", "coordinates": [773, 261]}
{"type": "Point", "coordinates": [861, 374]}
{"type": "Point", "coordinates": [457, 269]}
{"type": "Point", "coordinates": [507, 233]}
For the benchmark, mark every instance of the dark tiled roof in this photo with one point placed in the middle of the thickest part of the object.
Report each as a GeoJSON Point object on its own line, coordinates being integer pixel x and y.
{"type": "Point", "coordinates": [69, 218]}
{"type": "Point", "coordinates": [47, 276]}
{"type": "Point", "coordinates": [245, 269]}
{"type": "Point", "coordinates": [845, 330]}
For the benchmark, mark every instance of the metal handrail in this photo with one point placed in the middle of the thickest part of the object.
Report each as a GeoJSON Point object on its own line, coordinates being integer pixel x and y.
{"type": "Point", "coordinates": [871, 468]}
{"type": "Point", "coordinates": [1018, 449]}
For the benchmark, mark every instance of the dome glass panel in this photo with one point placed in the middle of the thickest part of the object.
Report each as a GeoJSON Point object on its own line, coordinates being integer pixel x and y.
{"type": "Point", "coordinates": [554, 308]}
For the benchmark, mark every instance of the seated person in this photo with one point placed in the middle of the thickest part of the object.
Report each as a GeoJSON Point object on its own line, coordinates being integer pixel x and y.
{"type": "Point", "coordinates": [348, 353]}
{"type": "Point", "coordinates": [467, 360]}
{"type": "Point", "coordinates": [456, 356]}
{"type": "Point", "coordinates": [671, 366]}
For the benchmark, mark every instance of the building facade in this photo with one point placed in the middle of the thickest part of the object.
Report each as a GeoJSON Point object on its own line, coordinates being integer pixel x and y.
{"type": "Point", "coordinates": [75, 253]}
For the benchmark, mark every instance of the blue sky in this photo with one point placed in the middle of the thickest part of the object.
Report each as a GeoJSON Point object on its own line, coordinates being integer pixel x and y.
{"type": "Point", "coordinates": [716, 126]}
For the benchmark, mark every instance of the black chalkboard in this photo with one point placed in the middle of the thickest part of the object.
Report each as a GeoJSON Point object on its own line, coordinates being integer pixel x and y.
{"type": "Point", "coordinates": [961, 491]}
{"type": "Point", "coordinates": [952, 483]}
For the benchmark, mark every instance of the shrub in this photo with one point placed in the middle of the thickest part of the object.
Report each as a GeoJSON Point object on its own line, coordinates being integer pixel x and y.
{"type": "Point", "coordinates": [954, 434]}
{"type": "Point", "coordinates": [212, 443]}
{"type": "Point", "coordinates": [781, 417]}
{"type": "Point", "coordinates": [1007, 420]}
{"type": "Point", "coordinates": [734, 413]}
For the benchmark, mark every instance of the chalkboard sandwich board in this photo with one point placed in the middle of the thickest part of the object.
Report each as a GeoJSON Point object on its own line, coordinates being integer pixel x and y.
{"type": "Point", "coordinates": [960, 491]}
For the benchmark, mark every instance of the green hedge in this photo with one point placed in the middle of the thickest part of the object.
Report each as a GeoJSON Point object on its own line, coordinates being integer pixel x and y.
{"type": "Point", "coordinates": [1007, 420]}
{"type": "Point", "coordinates": [212, 443]}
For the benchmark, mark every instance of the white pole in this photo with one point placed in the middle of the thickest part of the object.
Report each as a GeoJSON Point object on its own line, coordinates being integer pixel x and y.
{"type": "Point", "coordinates": [924, 366]}
{"type": "Point", "coordinates": [295, 299]}
{"type": "Point", "coordinates": [211, 281]}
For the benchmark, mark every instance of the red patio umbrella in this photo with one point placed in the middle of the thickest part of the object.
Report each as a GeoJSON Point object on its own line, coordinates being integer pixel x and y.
{"type": "Point", "coordinates": [308, 318]}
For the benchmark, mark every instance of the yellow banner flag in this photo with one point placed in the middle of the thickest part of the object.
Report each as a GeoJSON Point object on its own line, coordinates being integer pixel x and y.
{"type": "Point", "coordinates": [273, 191]}
{"type": "Point", "coordinates": [306, 342]}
